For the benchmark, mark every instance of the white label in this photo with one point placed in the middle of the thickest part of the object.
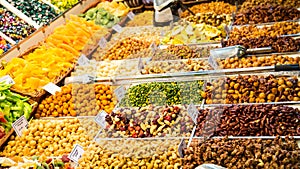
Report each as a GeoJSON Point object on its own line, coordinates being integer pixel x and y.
{"type": "Point", "coordinates": [153, 47]}
{"type": "Point", "coordinates": [213, 63]}
{"type": "Point", "coordinates": [164, 16]}
{"type": "Point", "coordinates": [79, 79]}
{"type": "Point", "coordinates": [83, 60]}
{"type": "Point", "coordinates": [102, 43]}
{"type": "Point", "coordinates": [100, 119]}
{"type": "Point", "coordinates": [181, 146]}
{"type": "Point", "coordinates": [120, 93]}
{"type": "Point", "coordinates": [117, 28]}
{"type": "Point", "coordinates": [52, 88]}
{"type": "Point", "coordinates": [140, 64]}
{"type": "Point", "coordinates": [193, 112]}
{"type": "Point", "coordinates": [76, 153]}
{"type": "Point", "coordinates": [19, 125]}
{"type": "Point", "coordinates": [130, 15]}
{"type": "Point", "coordinates": [7, 79]}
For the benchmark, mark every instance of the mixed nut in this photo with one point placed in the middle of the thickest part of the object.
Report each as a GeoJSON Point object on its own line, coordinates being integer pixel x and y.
{"type": "Point", "coordinates": [173, 66]}
{"type": "Point", "coordinates": [150, 121]}
{"type": "Point", "coordinates": [142, 19]}
{"type": "Point", "coordinates": [214, 7]}
{"type": "Point", "coordinates": [4, 46]}
{"type": "Point", "coordinates": [163, 93]}
{"type": "Point", "coordinates": [253, 31]}
{"type": "Point", "coordinates": [255, 61]}
{"type": "Point", "coordinates": [279, 44]}
{"type": "Point", "coordinates": [286, 3]}
{"type": "Point", "coordinates": [252, 89]}
{"type": "Point", "coordinates": [249, 120]}
{"type": "Point", "coordinates": [210, 19]}
{"type": "Point", "coordinates": [266, 13]}
{"type": "Point", "coordinates": [243, 153]}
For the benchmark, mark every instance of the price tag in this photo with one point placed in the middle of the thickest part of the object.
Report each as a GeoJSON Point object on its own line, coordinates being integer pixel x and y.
{"type": "Point", "coordinates": [181, 146]}
{"type": "Point", "coordinates": [193, 112]}
{"type": "Point", "coordinates": [213, 63]}
{"type": "Point", "coordinates": [19, 125]}
{"type": "Point", "coordinates": [100, 119]}
{"type": "Point", "coordinates": [117, 28]}
{"type": "Point", "coordinates": [102, 43]}
{"type": "Point", "coordinates": [83, 60]}
{"type": "Point", "coordinates": [7, 79]}
{"type": "Point", "coordinates": [120, 93]}
{"type": "Point", "coordinates": [52, 88]}
{"type": "Point", "coordinates": [79, 79]}
{"type": "Point", "coordinates": [130, 15]}
{"type": "Point", "coordinates": [76, 153]}
{"type": "Point", "coordinates": [153, 47]}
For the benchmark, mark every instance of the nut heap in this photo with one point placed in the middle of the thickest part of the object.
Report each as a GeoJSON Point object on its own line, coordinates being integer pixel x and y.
{"type": "Point", "coordinates": [77, 99]}
{"type": "Point", "coordinates": [148, 122]}
{"type": "Point", "coordinates": [254, 61]}
{"type": "Point", "coordinates": [48, 137]}
{"type": "Point", "coordinates": [123, 48]}
{"type": "Point", "coordinates": [210, 19]}
{"type": "Point", "coordinates": [157, 67]}
{"type": "Point", "coordinates": [13, 26]}
{"type": "Point", "coordinates": [142, 19]}
{"type": "Point", "coordinates": [252, 31]}
{"type": "Point", "coordinates": [266, 13]}
{"type": "Point", "coordinates": [97, 157]}
{"type": "Point", "coordinates": [279, 44]}
{"type": "Point", "coordinates": [174, 52]}
{"type": "Point", "coordinates": [287, 3]}
{"type": "Point", "coordinates": [243, 153]}
{"type": "Point", "coordinates": [89, 125]}
{"type": "Point", "coordinates": [252, 89]}
{"type": "Point", "coordinates": [163, 93]}
{"type": "Point", "coordinates": [215, 7]}
{"type": "Point", "coordinates": [251, 120]}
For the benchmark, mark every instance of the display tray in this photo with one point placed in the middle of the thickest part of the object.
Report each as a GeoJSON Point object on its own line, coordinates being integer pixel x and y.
{"type": "Point", "coordinates": [263, 24]}
{"type": "Point", "coordinates": [41, 92]}
{"type": "Point", "coordinates": [7, 135]}
{"type": "Point", "coordinates": [225, 89]}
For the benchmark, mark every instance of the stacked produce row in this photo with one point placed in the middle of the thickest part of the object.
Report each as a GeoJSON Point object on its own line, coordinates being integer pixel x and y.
{"type": "Point", "coordinates": [155, 97]}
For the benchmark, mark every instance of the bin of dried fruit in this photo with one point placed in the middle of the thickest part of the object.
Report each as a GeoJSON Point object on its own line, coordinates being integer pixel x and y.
{"type": "Point", "coordinates": [243, 153]}
{"type": "Point", "coordinates": [4, 46]}
{"type": "Point", "coordinates": [163, 93]}
{"type": "Point", "coordinates": [258, 61]}
{"type": "Point", "coordinates": [12, 107]}
{"type": "Point", "coordinates": [150, 121]}
{"type": "Point", "coordinates": [13, 26]}
{"type": "Point", "coordinates": [254, 31]}
{"type": "Point", "coordinates": [242, 120]}
{"type": "Point", "coordinates": [63, 5]}
{"type": "Point", "coordinates": [90, 126]}
{"type": "Point", "coordinates": [101, 17]}
{"type": "Point", "coordinates": [262, 14]}
{"type": "Point", "coordinates": [116, 8]}
{"type": "Point", "coordinates": [278, 44]}
{"type": "Point", "coordinates": [47, 137]}
{"type": "Point", "coordinates": [253, 3]}
{"type": "Point", "coordinates": [78, 100]}
{"type": "Point", "coordinates": [38, 162]}
{"type": "Point", "coordinates": [174, 66]}
{"type": "Point", "coordinates": [141, 19]}
{"type": "Point", "coordinates": [74, 35]}
{"type": "Point", "coordinates": [35, 69]}
{"type": "Point", "coordinates": [189, 33]}
{"type": "Point", "coordinates": [210, 19]}
{"type": "Point", "coordinates": [38, 11]}
{"type": "Point", "coordinates": [258, 88]}
{"type": "Point", "coordinates": [218, 8]}
{"type": "Point", "coordinates": [174, 52]}
{"type": "Point", "coordinates": [158, 153]}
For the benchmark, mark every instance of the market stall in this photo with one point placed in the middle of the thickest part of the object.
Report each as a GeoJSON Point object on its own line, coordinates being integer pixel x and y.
{"type": "Point", "coordinates": [92, 84]}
